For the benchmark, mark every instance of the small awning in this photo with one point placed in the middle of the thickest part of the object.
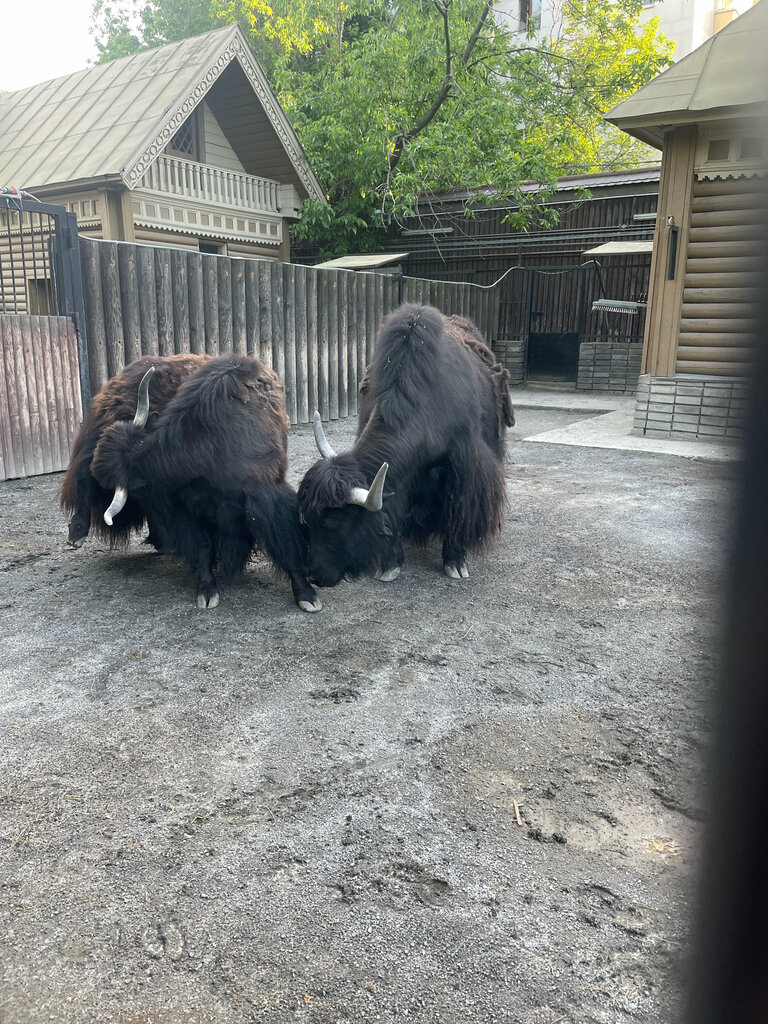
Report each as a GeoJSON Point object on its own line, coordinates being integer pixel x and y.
{"type": "Point", "coordinates": [364, 261]}
{"type": "Point", "coordinates": [620, 248]}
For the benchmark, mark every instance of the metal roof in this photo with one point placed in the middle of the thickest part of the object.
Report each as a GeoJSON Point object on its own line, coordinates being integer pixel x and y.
{"type": "Point", "coordinates": [366, 261]}
{"type": "Point", "coordinates": [726, 76]}
{"type": "Point", "coordinates": [568, 183]}
{"type": "Point", "coordinates": [111, 121]}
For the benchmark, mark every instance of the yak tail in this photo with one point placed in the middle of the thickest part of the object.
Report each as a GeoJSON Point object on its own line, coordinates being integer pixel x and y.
{"type": "Point", "coordinates": [407, 354]}
{"type": "Point", "coordinates": [475, 497]}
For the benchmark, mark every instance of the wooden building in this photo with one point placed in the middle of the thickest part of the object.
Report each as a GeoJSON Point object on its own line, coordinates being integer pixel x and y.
{"type": "Point", "coordinates": [708, 114]}
{"type": "Point", "coordinates": [550, 275]}
{"type": "Point", "coordinates": [184, 145]}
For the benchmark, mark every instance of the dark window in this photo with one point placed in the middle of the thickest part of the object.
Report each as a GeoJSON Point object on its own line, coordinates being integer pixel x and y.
{"type": "Point", "coordinates": [530, 15]}
{"type": "Point", "coordinates": [211, 247]}
{"type": "Point", "coordinates": [718, 149]}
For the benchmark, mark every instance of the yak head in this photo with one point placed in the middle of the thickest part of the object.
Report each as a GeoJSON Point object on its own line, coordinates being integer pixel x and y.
{"type": "Point", "coordinates": [349, 531]}
{"type": "Point", "coordinates": [111, 463]}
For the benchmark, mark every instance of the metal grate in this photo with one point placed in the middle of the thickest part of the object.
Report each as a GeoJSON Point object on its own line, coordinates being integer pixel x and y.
{"type": "Point", "coordinates": [27, 278]}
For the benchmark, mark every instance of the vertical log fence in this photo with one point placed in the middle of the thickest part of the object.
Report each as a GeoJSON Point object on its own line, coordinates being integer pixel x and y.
{"type": "Point", "coordinates": [315, 327]}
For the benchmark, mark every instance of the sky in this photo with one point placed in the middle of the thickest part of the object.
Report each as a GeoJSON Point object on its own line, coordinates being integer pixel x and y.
{"type": "Point", "coordinates": [42, 39]}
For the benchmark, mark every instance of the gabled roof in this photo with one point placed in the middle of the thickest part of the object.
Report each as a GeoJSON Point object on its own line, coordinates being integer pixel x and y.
{"type": "Point", "coordinates": [111, 121]}
{"type": "Point", "coordinates": [727, 76]}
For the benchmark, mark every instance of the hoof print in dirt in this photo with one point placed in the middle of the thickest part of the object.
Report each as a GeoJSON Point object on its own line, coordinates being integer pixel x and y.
{"type": "Point", "coordinates": [163, 939]}
{"type": "Point", "coordinates": [541, 837]}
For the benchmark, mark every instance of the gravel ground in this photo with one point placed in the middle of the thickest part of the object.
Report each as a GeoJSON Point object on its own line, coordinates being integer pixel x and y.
{"type": "Point", "coordinates": [436, 801]}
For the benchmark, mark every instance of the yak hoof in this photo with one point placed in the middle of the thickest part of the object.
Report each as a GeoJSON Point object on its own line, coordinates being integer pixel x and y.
{"type": "Point", "coordinates": [456, 572]}
{"type": "Point", "coordinates": [77, 543]}
{"type": "Point", "coordinates": [390, 574]}
{"type": "Point", "coordinates": [207, 602]}
{"type": "Point", "coordinates": [308, 606]}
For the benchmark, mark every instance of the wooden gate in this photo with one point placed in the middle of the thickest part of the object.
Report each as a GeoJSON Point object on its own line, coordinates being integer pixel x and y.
{"type": "Point", "coordinates": [40, 402]}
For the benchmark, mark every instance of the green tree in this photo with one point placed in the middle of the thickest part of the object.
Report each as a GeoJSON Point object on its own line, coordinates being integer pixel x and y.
{"type": "Point", "coordinates": [395, 98]}
{"type": "Point", "coordinates": [128, 26]}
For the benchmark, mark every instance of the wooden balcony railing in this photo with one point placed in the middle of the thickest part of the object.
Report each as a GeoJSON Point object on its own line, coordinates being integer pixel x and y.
{"type": "Point", "coordinates": [203, 183]}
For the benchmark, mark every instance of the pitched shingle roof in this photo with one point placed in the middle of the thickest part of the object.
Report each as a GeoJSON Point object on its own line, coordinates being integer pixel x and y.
{"type": "Point", "coordinates": [111, 121]}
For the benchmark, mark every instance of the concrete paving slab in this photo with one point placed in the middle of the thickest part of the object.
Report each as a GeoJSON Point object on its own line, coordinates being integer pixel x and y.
{"type": "Point", "coordinates": [569, 401]}
{"type": "Point", "coordinates": [614, 430]}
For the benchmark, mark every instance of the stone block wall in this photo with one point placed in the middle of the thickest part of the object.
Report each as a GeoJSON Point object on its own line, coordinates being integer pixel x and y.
{"type": "Point", "coordinates": [609, 366]}
{"type": "Point", "coordinates": [512, 354]}
{"type": "Point", "coordinates": [685, 407]}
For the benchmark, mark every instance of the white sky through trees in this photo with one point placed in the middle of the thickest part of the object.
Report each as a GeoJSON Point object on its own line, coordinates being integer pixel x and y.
{"type": "Point", "coordinates": [43, 39]}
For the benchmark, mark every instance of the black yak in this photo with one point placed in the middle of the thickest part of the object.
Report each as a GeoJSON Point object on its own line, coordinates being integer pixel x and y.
{"type": "Point", "coordinates": [212, 474]}
{"type": "Point", "coordinates": [81, 495]}
{"type": "Point", "coordinates": [433, 409]}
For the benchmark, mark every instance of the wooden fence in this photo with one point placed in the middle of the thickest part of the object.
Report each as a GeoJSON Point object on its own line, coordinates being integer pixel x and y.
{"type": "Point", "coordinates": [316, 328]}
{"type": "Point", "coordinates": [40, 407]}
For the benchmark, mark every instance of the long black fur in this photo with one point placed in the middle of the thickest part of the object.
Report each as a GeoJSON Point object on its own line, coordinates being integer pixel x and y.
{"type": "Point", "coordinates": [430, 408]}
{"type": "Point", "coordinates": [81, 494]}
{"type": "Point", "coordinates": [212, 473]}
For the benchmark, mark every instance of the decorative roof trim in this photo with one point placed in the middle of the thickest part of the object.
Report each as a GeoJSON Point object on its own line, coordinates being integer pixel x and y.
{"type": "Point", "coordinates": [236, 49]}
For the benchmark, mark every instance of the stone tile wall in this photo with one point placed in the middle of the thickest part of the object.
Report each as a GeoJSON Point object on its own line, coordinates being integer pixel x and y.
{"type": "Point", "coordinates": [609, 366]}
{"type": "Point", "coordinates": [511, 354]}
{"type": "Point", "coordinates": [690, 408]}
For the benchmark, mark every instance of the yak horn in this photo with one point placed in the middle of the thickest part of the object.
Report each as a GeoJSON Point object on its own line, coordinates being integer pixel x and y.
{"type": "Point", "coordinates": [373, 498]}
{"type": "Point", "coordinates": [142, 406]}
{"type": "Point", "coordinates": [118, 502]}
{"type": "Point", "coordinates": [322, 441]}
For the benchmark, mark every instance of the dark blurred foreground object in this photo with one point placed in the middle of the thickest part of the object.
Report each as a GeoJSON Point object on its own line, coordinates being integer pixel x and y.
{"type": "Point", "coordinates": [730, 966]}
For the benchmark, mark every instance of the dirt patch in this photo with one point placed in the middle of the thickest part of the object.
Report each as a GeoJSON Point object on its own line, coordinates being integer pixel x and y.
{"type": "Point", "coordinates": [437, 800]}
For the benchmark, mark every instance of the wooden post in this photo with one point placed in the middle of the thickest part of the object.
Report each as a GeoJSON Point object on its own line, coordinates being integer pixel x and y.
{"type": "Point", "coordinates": [289, 334]}
{"type": "Point", "coordinates": [239, 329]}
{"type": "Point", "coordinates": [662, 324]}
{"type": "Point", "coordinates": [278, 320]}
{"type": "Point", "coordinates": [363, 282]}
{"type": "Point", "coordinates": [147, 303]}
{"type": "Point", "coordinates": [129, 301]}
{"type": "Point", "coordinates": [343, 342]}
{"type": "Point", "coordinates": [323, 330]}
{"type": "Point", "coordinates": [29, 337]}
{"type": "Point", "coordinates": [113, 313]}
{"type": "Point", "coordinates": [70, 370]}
{"type": "Point", "coordinates": [224, 275]}
{"type": "Point", "coordinates": [94, 315]}
{"type": "Point", "coordinates": [46, 391]}
{"type": "Point", "coordinates": [313, 387]}
{"type": "Point", "coordinates": [58, 360]}
{"type": "Point", "coordinates": [265, 314]}
{"type": "Point", "coordinates": [301, 344]}
{"type": "Point", "coordinates": [352, 280]}
{"type": "Point", "coordinates": [164, 301]}
{"type": "Point", "coordinates": [180, 301]}
{"type": "Point", "coordinates": [196, 307]}
{"type": "Point", "coordinates": [211, 303]}
{"type": "Point", "coordinates": [252, 308]}
{"type": "Point", "coordinates": [333, 344]}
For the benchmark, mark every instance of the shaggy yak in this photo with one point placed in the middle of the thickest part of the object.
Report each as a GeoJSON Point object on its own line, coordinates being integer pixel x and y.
{"type": "Point", "coordinates": [433, 409]}
{"type": "Point", "coordinates": [212, 474]}
{"type": "Point", "coordinates": [81, 495]}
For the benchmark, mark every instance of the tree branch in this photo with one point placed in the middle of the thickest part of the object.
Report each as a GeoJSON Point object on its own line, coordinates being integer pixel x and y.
{"type": "Point", "coordinates": [404, 138]}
